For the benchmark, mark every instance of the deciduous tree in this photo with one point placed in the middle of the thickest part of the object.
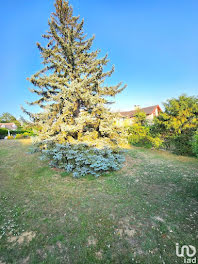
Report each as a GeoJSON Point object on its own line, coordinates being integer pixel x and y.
{"type": "Point", "coordinates": [178, 122]}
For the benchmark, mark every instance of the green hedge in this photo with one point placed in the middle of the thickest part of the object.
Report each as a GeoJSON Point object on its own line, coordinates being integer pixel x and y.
{"type": "Point", "coordinates": [195, 144]}
{"type": "Point", "coordinates": [15, 132]}
{"type": "Point", "coordinates": [3, 133]}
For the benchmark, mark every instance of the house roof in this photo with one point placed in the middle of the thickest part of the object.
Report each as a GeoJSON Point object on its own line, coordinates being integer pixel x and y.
{"type": "Point", "coordinates": [147, 110]}
{"type": "Point", "coordinates": [8, 125]}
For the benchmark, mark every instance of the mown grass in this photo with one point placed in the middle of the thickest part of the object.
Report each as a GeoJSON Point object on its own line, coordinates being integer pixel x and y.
{"type": "Point", "coordinates": [135, 215]}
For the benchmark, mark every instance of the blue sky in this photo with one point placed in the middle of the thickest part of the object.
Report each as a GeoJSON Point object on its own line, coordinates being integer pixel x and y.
{"type": "Point", "coordinates": [153, 45]}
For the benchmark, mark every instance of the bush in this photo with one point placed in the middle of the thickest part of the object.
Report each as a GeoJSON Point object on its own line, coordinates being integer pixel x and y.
{"type": "Point", "coordinates": [155, 141]}
{"type": "Point", "coordinates": [178, 123]}
{"type": "Point", "coordinates": [3, 132]}
{"type": "Point", "coordinates": [81, 159]}
{"type": "Point", "coordinates": [10, 137]}
{"type": "Point", "coordinates": [180, 144]}
{"type": "Point", "coordinates": [195, 144]}
{"type": "Point", "coordinates": [137, 133]}
{"type": "Point", "coordinates": [27, 134]}
{"type": "Point", "coordinates": [15, 132]}
{"type": "Point", "coordinates": [22, 131]}
{"type": "Point", "coordinates": [19, 136]}
{"type": "Point", "coordinates": [140, 136]}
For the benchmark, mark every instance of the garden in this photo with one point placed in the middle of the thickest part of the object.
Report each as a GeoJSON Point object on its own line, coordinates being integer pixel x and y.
{"type": "Point", "coordinates": [135, 215]}
{"type": "Point", "coordinates": [78, 187]}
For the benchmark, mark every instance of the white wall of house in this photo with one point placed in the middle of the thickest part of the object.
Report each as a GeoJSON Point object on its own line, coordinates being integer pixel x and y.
{"type": "Point", "coordinates": [150, 117]}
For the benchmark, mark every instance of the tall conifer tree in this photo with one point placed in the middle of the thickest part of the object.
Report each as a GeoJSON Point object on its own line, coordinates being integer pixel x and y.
{"type": "Point", "coordinates": [71, 86]}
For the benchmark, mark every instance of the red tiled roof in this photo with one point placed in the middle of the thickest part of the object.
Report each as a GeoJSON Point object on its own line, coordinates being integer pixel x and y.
{"type": "Point", "coordinates": [147, 110]}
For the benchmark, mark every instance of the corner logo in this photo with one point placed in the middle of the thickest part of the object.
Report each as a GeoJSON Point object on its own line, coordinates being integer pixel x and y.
{"type": "Point", "coordinates": [187, 252]}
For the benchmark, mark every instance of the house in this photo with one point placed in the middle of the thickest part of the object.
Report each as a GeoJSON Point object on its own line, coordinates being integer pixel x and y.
{"type": "Point", "coordinates": [9, 126]}
{"type": "Point", "coordinates": [150, 111]}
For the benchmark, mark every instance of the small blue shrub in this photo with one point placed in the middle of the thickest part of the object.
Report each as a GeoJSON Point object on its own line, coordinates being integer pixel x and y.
{"type": "Point", "coordinates": [81, 159]}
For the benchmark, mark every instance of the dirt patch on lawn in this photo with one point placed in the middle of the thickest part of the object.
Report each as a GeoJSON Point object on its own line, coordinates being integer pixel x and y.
{"type": "Point", "coordinates": [125, 229]}
{"type": "Point", "coordinates": [24, 237]}
{"type": "Point", "coordinates": [25, 260]}
{"type": "Point", "coordinates": [58, 169]}
{"type": "Point", "coordinates": [92, 241]}
{"type": "Point", "coordinates": [159, 219]}
{"type": "Point", "coordinates": [129, 165]}
{"type": "Point", "coordinates": [99, 254]}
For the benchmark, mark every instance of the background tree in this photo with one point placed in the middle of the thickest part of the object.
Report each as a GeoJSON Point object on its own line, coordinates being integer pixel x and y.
{"type": "Point", "coordinates": [29, 126]}
{"type": "Point", "coordinates": [71, 86]}
{"type": "Point", "coordinates": [140, 133]}
{"type": "Point", "coordinates": [140, 118]}
{"type": "Point", "coordinates": [178, 123]}
{"type": "Point", "coordinates": [8, 118]}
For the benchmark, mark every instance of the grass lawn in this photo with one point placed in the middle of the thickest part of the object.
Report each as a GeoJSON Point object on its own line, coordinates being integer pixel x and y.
{"type": "Point", "coordinates": [135, 215]}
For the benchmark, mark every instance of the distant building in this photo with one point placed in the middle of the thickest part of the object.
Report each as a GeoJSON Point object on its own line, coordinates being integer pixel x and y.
{"type": "Point", "coordinates": [9, 126]}
{"type": "Point", "coordinates": [150, 111]}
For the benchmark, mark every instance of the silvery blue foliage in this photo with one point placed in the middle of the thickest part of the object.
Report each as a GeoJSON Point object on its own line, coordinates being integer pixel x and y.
{"type": "Point", "coordinates": [81, 159]}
